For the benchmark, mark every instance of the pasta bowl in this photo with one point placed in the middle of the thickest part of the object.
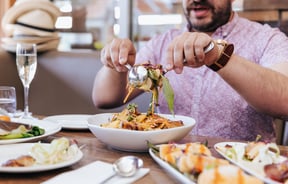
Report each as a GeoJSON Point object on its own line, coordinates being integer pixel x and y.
{"type": "Point", "coordinates": [136, 141]}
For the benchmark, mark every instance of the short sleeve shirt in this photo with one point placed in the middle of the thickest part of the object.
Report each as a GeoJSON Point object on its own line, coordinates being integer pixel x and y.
{"type": "Point", "coordinates": [203, 95]}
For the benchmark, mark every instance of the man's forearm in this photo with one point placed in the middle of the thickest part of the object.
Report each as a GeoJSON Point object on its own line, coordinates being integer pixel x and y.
{"type": "Point", "coordinates": [263, 88]}
{"type": "Point", "coordinates": [109, 88]}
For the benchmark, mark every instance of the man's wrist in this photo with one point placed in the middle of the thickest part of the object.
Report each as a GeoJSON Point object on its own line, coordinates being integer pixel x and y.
{"type": "Point", "coordinates": [225, 52]}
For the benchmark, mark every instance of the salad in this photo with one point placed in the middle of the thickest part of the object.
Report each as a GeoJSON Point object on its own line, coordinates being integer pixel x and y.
{"type": "Point", "coordinates": [261, 159]}
{"type": "Point", "coordinates": [59, 150]}
{"type": "Point", "coordinates": [254, 152]}
{"type": "Point", "coordinates": [21, 132]}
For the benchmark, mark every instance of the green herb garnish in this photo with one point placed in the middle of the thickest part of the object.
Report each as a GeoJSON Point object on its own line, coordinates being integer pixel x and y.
{"type": "Point", "coordinates": [168, 93]}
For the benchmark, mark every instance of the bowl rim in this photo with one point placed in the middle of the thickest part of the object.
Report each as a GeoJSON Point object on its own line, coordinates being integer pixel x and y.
{"type": "Point", "coordinates": [139, 144]}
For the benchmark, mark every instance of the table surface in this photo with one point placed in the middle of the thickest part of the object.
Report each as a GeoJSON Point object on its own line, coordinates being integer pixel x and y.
{"type": "Point", "coordinates": [96, 150]}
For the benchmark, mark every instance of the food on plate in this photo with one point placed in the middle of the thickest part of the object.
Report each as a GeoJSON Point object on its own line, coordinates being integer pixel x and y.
{"type": "Point", "coordinates": [227, 174]}
{"type": "Point", "coordinates": [277, 172]}
{"type": "Point", "coordinates": [195, 161]}
{"type": "Point", "coordinates": [262, 159]}
{"type": "Point", "coordinates": [21, 132]}
{"type": "Point", "coordinates": [190, 157]}
{"type": "Point", "coordinates": [171, 152]}
{"type": "Point", "coordinates": [155, 81]}
{"type": "Point", "coordinates": [130, 118]}
{"type": "Point", "coordinates": [22, 161]}
{"type": "Point", "coordinates": [262, 152]}
{"type": "Point", "coordinates": [59, 150]}
{"type": "Point", "coordinates": [255, 152]}
{"type": "Point", "coordinates": [5, 118]}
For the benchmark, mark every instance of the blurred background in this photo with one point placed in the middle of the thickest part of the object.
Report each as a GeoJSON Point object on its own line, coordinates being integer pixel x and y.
{"type": "Point", "coordinates": [88, 24]}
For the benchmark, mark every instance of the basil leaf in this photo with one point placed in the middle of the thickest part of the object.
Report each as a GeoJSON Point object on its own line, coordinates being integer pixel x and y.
{"type": "Point", "coordinates": [154, 74]}
{"type": "Point", "coordinates": [169, 94]}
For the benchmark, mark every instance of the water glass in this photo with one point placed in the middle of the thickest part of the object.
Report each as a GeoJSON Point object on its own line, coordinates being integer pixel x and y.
{"type": "Point", "coordinates": [7, 100]}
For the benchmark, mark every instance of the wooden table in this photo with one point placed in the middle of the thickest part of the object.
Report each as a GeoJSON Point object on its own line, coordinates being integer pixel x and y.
{"type": "Point", "coordinates": [95, 150]}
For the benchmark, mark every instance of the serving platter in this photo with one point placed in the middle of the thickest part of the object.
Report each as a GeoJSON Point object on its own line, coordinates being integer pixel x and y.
{"type": "Point", "coordinates": [171, 170]}
{"type": "Point", "coordinates": [254, 169]}
{"type": "Point", "coordinates": [49, 127]}
{"type": "Point", "coordinates": [13, 151]}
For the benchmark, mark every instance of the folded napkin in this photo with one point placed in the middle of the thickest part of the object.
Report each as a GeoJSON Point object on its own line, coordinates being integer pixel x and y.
{"type": "Point", "coordinates": [95, 173]}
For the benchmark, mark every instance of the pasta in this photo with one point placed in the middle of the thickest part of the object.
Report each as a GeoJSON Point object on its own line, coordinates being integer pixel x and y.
{"type": "Point", "coordinates": [131, 119]}
{"type": "Point", "coordinates": [155, 81]}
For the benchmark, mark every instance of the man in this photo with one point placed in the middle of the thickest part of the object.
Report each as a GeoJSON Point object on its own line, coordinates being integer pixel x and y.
{"type": "Point", "coordinates": [232, 92]}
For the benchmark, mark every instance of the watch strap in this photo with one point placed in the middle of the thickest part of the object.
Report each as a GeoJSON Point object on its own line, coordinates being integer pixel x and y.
{"type": "Point", "coordinates": [225, 55]}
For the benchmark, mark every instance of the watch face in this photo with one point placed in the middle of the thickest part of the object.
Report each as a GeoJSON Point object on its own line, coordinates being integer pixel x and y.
{"type": "Point", "coordinates": [222, 42]}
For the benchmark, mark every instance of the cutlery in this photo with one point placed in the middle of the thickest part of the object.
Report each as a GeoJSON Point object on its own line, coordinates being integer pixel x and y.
{"type": "Point", "coordinates": [126, 166]}
{"type": "Point", "coordinates": [138, 74]}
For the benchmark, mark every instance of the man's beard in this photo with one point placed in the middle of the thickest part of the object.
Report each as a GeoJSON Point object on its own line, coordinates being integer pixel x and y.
{"type": "Point", "coordinates": [219, 18]}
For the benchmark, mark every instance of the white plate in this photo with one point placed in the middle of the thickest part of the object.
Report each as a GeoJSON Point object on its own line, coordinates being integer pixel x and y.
{"type": "Point", "coordinates": [252, 168]}
{"type": "Point", "coordinates": [171, 170]}
{"type": "Point", "coordinates": [13, 151]}
{"type": "Point", "coordinates": [70, 121]}
{"type": "Point", "coordinates": [49, 127]}
{"type": "Point", "coordinates": [136, 141]}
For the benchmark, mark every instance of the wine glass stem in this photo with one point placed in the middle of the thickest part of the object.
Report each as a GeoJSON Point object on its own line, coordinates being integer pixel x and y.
{"type": "Point", "coordinates": [26, 106]}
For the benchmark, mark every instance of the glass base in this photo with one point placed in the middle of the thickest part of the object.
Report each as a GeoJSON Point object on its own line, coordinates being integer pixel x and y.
{"type": "Point", "coordinates": [20, 114]}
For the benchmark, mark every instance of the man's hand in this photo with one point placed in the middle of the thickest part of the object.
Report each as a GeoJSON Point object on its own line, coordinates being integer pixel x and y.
{"type": "Point", "coordinates": [188, 49]}
{"type": "Point", "coordinates": [118, 53]}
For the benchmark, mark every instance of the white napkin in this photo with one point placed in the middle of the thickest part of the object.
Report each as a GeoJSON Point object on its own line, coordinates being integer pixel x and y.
{"type": "Point", "coordinates": [95, 173]}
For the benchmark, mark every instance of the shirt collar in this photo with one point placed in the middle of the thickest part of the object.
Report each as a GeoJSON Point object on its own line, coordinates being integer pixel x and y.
{"type": "Point", "coordinates": [223, 31]}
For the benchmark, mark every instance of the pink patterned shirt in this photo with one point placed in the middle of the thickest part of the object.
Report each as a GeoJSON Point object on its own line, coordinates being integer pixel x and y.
{"type": "Point", "coordinates": [202, 94]}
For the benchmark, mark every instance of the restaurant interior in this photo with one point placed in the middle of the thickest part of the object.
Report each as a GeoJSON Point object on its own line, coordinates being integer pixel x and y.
{"type": "Point", "coordinates": [68, 64]}
{"type": "Point", "coordinates": [85, 26]}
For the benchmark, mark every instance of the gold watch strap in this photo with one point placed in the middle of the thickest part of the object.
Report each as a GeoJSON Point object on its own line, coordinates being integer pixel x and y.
{"type": "Point", "coordinates": [225, 55]}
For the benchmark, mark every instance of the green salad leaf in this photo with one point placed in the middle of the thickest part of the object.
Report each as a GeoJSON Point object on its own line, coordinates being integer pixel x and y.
{"type": "Point", "coordinates": [169, 94]}
{"type": "Point", "coordinates": [23, 132]}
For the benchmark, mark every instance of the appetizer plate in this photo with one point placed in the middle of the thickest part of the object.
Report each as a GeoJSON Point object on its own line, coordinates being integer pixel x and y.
{"type": "Point", "coordinates": [49, 127]}
{"type": "Point", "coordinates": [70, 121]}
{"type": "Point", "coordinates": [13, 151]}
{"type": "Point", "coordinates": [136, 141]}
{"type": "Point", "coordinates": [252, 168]}
{"type": "Point", "coordinates": [171, 170]}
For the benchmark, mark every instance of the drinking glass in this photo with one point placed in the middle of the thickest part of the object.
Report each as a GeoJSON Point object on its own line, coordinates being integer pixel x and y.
{"type": "Point", "coordinates": [26, 61]}
{"type": "Point", "coordinates": [7, 100]}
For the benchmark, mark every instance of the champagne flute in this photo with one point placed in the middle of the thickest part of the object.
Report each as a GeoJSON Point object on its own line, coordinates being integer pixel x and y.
{"type": "Point", "coordinates": [26, 61]}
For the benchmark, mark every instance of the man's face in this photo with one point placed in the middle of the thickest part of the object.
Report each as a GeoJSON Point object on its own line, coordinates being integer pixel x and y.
{"type": "Point", "coordinates": [207, 15]}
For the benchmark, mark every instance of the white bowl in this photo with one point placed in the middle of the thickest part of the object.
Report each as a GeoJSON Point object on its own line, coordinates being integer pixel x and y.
{"type": "Point", "coordinates": [136, 141]}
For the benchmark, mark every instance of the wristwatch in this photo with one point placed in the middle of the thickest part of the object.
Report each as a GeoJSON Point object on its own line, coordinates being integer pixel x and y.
{"type": "Point", "coordinates": [224, 57]}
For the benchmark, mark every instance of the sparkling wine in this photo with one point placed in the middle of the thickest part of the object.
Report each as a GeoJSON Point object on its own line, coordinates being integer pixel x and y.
{"type": "Point", "coordinates": [26, 61]}
{"type": "Point", "coordinates": [26, 65]}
